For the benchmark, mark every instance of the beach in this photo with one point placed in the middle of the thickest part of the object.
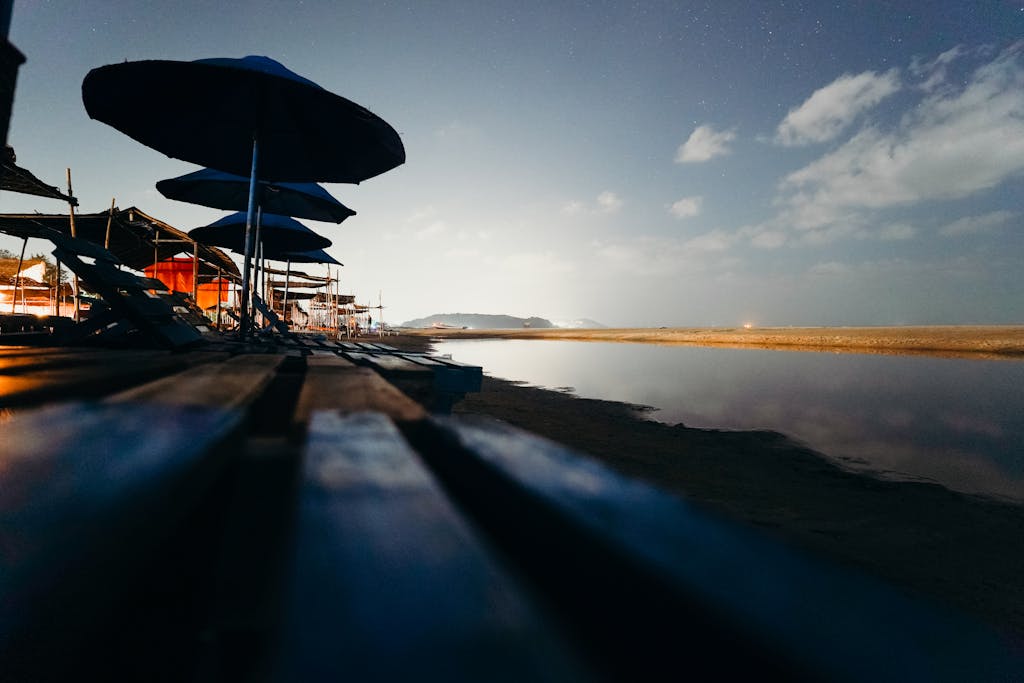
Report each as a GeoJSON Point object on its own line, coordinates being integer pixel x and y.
{"type": "Point", "coordinates": [954, 549]}
{"type": "Point", "coordinates": [992, 341]}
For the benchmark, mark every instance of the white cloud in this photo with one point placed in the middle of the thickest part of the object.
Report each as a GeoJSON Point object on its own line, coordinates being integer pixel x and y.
{"type": "Point", "coordinates": [703, 144]}
{"type": "Point", "coordinates": [574, 208]}
{"type": "Point", "coordinates": [830, 268]}
{"type": "Point", "coordinates": [537, 264]}
{"type": "Point", "coordinates": [829, 110]}
{"type": "Point", "coordinates": [606, 203]}
{"type": "Point", "coordinates": [973, 225]}
{"type": "Point", "coordinates": [433, 229]}
{"type": "Point", "coordinates": [896, 232]}
{"type": "Point", "coordinates": [687, 207]}
{"type": "Point", "coordinates": [934, 72]}
{"type": "Point", "coordinates": [953, 144]}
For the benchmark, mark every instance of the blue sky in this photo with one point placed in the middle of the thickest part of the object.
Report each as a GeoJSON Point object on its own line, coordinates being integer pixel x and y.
{"type": "Point", "coordinates": [646, 163]}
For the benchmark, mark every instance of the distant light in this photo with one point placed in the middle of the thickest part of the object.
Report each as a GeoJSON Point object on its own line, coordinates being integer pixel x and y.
{"type": "Point", "coordinates": [748, 326]}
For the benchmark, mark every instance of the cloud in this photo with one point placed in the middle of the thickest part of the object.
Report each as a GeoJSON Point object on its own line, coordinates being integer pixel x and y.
{"type": "Point", "coordinates": [606, 203]}
{"type": "Point", "coordinates": [896, 232]}
{"type": "Point", "coordinates": [829, 110]}
{"type": "Point", "coordinates": [952, 145]}
{"type": "Point", "coordinates": [974, 225]}
{"type": "Point", "coordinates": [433, 229]}
{"type": "Point", "coordinates": [704, 144]}
{"type": "Point", "coordinates": [934, 72]}
{"type": "Point", "coordinates": [687, 207]}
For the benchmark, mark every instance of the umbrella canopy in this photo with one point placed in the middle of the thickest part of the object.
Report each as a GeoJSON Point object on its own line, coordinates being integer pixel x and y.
{"type": "Point", "coordinates": [277, 233]}
{"type": "Point", "coordinates": [248, 116]}
{"type": "Point", "coordinates": [317, 256]}
{"type": "Point", "coordinates": [210, 111]}
{"type": "Point", "coordinates": [220, 190]}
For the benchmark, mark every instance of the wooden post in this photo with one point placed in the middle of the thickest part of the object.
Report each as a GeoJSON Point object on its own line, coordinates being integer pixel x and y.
{"type": "Point", "coordinates": [287, 278]}
{"type": "Point", "coordinates": [17, 278]}
{"type": "Point", "coordinates": [110, 218]}
{"type": "Point", "coordinates": [195, 272]}
{"type": "Point", "coordinates": [219, 284]}
{"type": "Point", "coordinates": [74, 233]}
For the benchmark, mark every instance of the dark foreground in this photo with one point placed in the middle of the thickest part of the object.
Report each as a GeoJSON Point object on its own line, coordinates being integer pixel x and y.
{"type": "Point", "coordinates": [959, 550]}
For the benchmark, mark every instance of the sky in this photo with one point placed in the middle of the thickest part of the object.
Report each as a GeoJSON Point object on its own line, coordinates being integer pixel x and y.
{"type": "Point", "coordinates": [634, 163]}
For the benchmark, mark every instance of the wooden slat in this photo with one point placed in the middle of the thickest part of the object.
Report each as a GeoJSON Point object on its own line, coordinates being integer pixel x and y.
{"type": "Point", "coordinates": [458, 379]}
{"type": "Point", "coordinates": [335, 383]}
{"type": "Point", "coordinates": [656, 584]}
{"type": "Point", "coordinates": [96, 375]}
{"type": "Point", "coordinates": [89, 492]}
{"type": "Point", "coordinates": [234, 383]}
{"type": "Point", "coordinates": [389, 584]}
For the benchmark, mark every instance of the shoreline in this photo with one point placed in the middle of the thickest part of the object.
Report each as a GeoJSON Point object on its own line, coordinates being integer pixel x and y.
{"type": "Point", "coordinates": [990, 342]}
{"type": "Point", "coordinates": [953, 549]}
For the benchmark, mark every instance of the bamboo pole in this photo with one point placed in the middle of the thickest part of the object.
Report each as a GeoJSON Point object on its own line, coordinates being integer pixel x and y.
{"type": "Point", "coordinates": [74, 233]}
{"type": "Point", "coordinates": [110, 219]}
{"type": "Point", "coordinates": [219, 285]}
{"type": "Point", "coordinates": [17, 278]}
{"type": "Point", "coordinates": [195, 272]}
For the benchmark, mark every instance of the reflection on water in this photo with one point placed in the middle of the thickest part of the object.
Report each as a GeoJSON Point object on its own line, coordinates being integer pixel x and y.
{"type": "Point", "coordinates": [956, 422]}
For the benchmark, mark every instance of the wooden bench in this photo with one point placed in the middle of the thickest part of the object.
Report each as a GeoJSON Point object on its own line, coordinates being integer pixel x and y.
{"type": "Point", "coordinates": [293, 516]}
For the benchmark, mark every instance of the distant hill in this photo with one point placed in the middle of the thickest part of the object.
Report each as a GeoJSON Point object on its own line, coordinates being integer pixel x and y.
{"type": "Point", "coordinates": [478, 321]}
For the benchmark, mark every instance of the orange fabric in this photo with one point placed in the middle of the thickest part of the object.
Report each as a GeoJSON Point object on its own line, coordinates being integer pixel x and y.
{"type": "Point", "coordinates": [176, 273]}
{"type": "Point", "coordinates": [207, 294]}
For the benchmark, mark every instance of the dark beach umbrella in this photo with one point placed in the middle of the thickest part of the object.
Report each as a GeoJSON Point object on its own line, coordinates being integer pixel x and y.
{"type": "Point", "coordinates": [220, 190]}
{"type": "Point", "coordinates": [277, 234]}
{"type": "Point", "coordinates": [290, 257]}
{"type": "Point", "coordinates": [250, 116]}
{"type": "Point", "coordinates": [317, 256]}
{"type": "Point", "coordinates": [210, 112]}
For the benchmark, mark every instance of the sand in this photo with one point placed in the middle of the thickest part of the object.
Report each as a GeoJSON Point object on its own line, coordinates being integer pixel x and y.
{"type": "Point", "coordinates": [955, 549]}
{"type": "Point", "coordinates": [969, 341]}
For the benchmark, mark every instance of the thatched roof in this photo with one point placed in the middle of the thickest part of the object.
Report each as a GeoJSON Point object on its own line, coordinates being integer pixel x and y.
{"type": "Point", "coordinates": [14, 178]}
{"type": "Point", "coordinates": [136, 238]}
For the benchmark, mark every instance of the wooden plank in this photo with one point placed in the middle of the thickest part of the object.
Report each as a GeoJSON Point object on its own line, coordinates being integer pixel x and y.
{"type": "Point", "coordinates": [389, 584]}
{"type": "Point", "coordinates": [332, 382]}
{"type": "Point", "coordinates": [458, 379]}
{"type": "Point", "coordinates": [101, 375]}
{"type": "Point", "coordinates": [90, 492]}
{"type": "Point", "coordinates": [235, 383]}
{"type": "Point", "coordinates": [679, 586]}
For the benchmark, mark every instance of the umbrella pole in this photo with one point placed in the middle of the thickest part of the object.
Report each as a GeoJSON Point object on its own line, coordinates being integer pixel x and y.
{"type": "Point", "coordinates": [249, 235]}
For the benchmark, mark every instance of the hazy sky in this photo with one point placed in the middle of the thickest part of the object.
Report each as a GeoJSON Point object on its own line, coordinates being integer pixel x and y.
{"type": "Point", "coordinates": [638, 163]}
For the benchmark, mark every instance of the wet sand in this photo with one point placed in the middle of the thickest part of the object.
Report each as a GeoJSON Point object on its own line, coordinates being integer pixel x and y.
{"type": "Point", "coordinates": [955, 549]}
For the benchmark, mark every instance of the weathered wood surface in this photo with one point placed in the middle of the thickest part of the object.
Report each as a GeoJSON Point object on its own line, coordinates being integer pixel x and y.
{"type": "Point", "coordinates": [335, 383]}
{"type": "Point", "coordinates": [449, 550]}
{"type": "Point", "coordinates": [87, 374]}
{"type": "Point", "coordinates": [89, 492]}
{"type": "Point", "coordinates": [234, 383]}
{"type": "Point", "coordinates": [389, 583]}
{"type": "Point", "coordinates": [661, 589]}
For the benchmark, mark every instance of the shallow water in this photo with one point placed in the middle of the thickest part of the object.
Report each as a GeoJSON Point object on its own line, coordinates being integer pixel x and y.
{"type": "Point", "coordinates": [956, 422]}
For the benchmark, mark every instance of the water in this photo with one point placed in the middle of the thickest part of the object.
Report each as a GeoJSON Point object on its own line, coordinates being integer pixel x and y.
{"type": "Point", "coordinates": [956, 422]}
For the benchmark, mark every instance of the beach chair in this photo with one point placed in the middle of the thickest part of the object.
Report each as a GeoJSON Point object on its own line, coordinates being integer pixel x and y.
{"type": "Point", "coordinates": [130, 304]}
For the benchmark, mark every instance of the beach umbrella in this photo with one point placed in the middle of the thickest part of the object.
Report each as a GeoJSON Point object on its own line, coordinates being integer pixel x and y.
{"type": "Point", "coordinates": [220, 190]}
{"type": "Point", "coordinates": [290, 257]}
{"type": "Point", "coordinates": [250, 117]}
{"type": "Point", "coordinates": [277, 233]}
{"type": "Point", "coordinates": [316, 256]}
